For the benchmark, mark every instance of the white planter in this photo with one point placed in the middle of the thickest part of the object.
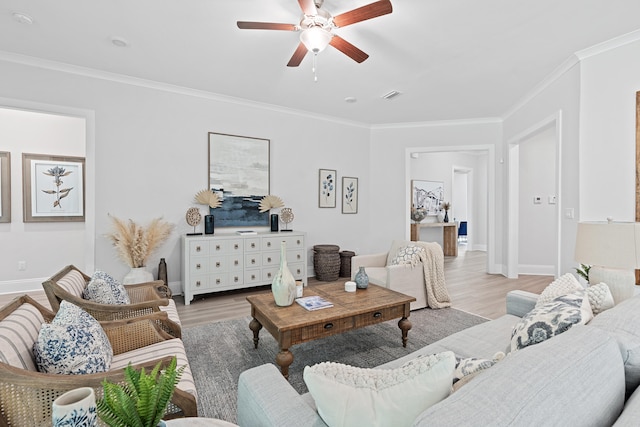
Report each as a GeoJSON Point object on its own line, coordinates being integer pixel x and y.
{"type": "Point", "coordinates": [137, 275]}
{"type": "Point", "coordinates": [76, 407]}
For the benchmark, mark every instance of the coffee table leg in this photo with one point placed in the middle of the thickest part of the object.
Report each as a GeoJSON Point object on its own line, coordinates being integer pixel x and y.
{"type": "Point", "coordinates": [404, 324]}
{"type": "Point", "coordinates": [255, 326]}
{"type": "Point", "coordinates": [284, 358]}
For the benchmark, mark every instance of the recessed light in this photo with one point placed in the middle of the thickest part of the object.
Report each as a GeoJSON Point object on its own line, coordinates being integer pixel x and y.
{"type": "Point", "coordinates": [350, 100]}
{"type": "Point", "coordinates": [119, 42]}
{"type": "Point", "coordinates": [22, 18]}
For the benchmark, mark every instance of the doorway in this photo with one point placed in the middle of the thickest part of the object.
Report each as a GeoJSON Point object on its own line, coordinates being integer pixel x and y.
{"type": "Point", "coordinates": [462, 205]}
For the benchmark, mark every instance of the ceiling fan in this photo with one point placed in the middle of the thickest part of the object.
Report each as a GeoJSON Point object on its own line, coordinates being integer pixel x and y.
{"type": "Point", "coordinates": [316, 26]}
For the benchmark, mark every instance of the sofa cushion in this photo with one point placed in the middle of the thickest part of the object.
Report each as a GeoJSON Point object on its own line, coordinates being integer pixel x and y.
{"type": "Point", "coordinates": [169, 348]}
{"type": "Point", "coordinates": [471, 365]}
{"type": "Point", "coordinates": [575, 379]}
{"type": "Point", "coordinates": [73, 282]}
{"type": "Point", "coordinates": [409, 255]}
{"type": "Point", "coordinates": [622, 322]}
{"type": "Point", "coordinates": [551, 319]}
{"type": "Point", "coordinates": [349, 396]}
{"type": "Point", "coordinates": [563, 285]}
{"type": "Point", "coordinates": [600, 298]}
{"type": "Point", "coordinates": [73, 343]}
{"type": "Point", "coordinates": [18, 332]}
{"type": "Point", "coordinates": [105, 289]}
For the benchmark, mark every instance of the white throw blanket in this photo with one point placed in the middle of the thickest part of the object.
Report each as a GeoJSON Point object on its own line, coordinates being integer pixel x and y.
{"type": "Point", "coordinates": [432, 259]}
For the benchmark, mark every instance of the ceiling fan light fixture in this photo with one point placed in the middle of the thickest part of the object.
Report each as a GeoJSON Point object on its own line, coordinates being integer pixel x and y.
{"type": "Point", "coordinates": [315, 39]}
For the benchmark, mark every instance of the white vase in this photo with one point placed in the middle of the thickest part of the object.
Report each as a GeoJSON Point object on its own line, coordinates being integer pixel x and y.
{"type": "Point", "coordinates": [75, 408]}
{"type": "Point", "coordinates": [283, 286]}
{"type": "Point", "coordinates": [137, 275]}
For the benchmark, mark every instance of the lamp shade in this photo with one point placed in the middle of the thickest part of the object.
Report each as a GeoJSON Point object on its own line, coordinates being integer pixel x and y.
{"type": "Point", "coordinates": [609, 244]}
{"type": "Point", "coordinates": [315, 39]}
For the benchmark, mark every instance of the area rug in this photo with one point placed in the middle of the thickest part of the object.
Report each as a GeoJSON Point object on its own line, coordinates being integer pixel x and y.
{"type": "Point", "coordinates": [218, 352]}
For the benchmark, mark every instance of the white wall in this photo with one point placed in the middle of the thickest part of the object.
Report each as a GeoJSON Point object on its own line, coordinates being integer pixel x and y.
{"type": "Point", "coordinates": [151, 158]}
{"type": "Point", "coordinates": [44, 247]}
{"type": "Point", "coordinates": [610, 81]}
{"type": "Point", "coordinates": [537, 250]}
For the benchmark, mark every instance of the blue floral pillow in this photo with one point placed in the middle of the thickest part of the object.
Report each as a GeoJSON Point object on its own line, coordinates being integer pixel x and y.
{"type": "Point", "coordinates": [73, 343]}
{"type": "Point", "coordinates": [105, 289]}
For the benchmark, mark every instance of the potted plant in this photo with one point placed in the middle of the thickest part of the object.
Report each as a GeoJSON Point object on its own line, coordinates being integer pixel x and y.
{"type": "Point", "coordinates": [143, 397]}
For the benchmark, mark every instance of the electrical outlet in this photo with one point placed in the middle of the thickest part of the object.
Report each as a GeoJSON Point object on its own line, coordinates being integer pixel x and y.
{"type": "Point", "coordinates": [568, 213]}
{"type": "Point", "coordinates": [553, 200]}
{"type": "Point", "coordinates": [22, 265]}
{"type": "Point", "coordinates": [537, 200]}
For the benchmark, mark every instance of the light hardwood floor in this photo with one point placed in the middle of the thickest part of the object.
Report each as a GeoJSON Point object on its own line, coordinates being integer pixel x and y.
{"type": "Point", "coordinates": [470, 287]}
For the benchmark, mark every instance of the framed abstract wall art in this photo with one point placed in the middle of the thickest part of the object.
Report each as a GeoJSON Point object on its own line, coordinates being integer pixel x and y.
{"type": "Point", "coordinates": [349, 195]}
{"type": "Point", "coordinates": [5, 186]}
{"type": "Point", "coordinates": [52, 188]}
{"type": "Point", "coordinates": [239, 175]}
{"type": "Point", "coordinates": [327, 188]}
{"type": "Point", "coordinates": [427, 195]}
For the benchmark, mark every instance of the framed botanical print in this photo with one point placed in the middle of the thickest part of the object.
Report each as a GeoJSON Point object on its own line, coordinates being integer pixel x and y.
{"type": "Point", "coordinates": [327, 188]}
{"type": "Point", "coordinates": [5, 186]}
{"type": "Point", "coordinates": [349, 195]}
{"type": "Point", "coordinates": [52, 188]}
{"type": "Point", "coordinates": [239, 175]}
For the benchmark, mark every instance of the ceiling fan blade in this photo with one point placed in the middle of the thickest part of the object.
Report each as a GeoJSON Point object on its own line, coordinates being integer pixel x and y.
{"type": "Point", "coordinates": [298, 55]}
{"type": "Point", "coordinates": [308, 7]}
{"type": "Point", "coordinates": [363, 13]}
{"type": "Point", "coordinates": [348, 49]}
{"type": "Point", "coordinates": [247, 25]}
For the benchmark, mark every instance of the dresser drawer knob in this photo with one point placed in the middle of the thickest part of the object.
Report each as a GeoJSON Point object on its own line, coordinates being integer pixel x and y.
{"type": "Point", "coordinates": [217, 281]}
{"type": "Point", "coordinates": [217, 247]}
{"type": "Point", "coordinates": [218, 264]}
{"type": "Point", "coordinates": [253, 245]}
{"type": "Point", "coordinates": [298, 241]}
{"type": "Point", "coordinates": [268, 244]}
{"type": "Point", "coordinates": [236, 246]}
{"type": "Point", "coordinates": [269, 275]}
{"type": "Point", "coordinates": [235, 279]}
{"type": "Point", "coordinates": [253, 277]}
{"type": "Point", "coordinates": [269, 259]}
{"type": "Point", "coordinates": [198, 266]}
{"type": "Point", "coordinates": [328, 326]}
{"type": "Point", "coordinates": [298, 256]}
{"type": "Point", "coordinates": [253, 261]}
{"type": "Point", "coordinates": [298, 271]}
{"type": "Point", "coordinates": [235, 262]}
{"type": "Point", "coordinates": [198, 283]}
{"type": "Point", "coordinates": [377, 314]}
{"type": "Point", "coordinates": [198, 248]}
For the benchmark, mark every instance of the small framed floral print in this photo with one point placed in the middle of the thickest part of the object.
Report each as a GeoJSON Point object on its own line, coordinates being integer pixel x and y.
{"type": "Point", "coordinates": [52, 188]}
{"type": "Point", "coordinates": [327, 188]}
{"type": "Point", "coordinates": [349, 195]}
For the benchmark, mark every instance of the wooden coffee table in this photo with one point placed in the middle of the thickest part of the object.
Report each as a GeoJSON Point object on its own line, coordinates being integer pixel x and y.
{"type": "Point", "coordinates": [351, 310]}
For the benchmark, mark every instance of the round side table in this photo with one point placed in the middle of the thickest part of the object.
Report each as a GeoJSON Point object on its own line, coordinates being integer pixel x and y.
{"type": "Point", "coordinates": [198, 422]}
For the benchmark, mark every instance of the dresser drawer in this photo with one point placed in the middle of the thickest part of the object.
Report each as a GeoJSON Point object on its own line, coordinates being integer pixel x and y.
{"type": "Point", "coordinates": [270, 258]}
{"type": "Point", "coordinates": [273, 243]}
{"type": "Point", "coordinates": [295, 256]}
{"type": "Point", "coordinates": [297, 270]}
{"type": "Point", "coordinates": [199, 266]}
{"type": "Point", "coordinates": [253, 260]}
{"type": "Point", "coordinates": [199, 248]}
{"type": "Point", "coordinates": [253, 276]}
{"type": "Point", "coordinates": [252, 245]}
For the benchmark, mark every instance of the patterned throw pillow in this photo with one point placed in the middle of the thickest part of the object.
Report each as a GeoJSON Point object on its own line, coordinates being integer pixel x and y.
{"type": "Point", "coordinates": [563, 285]}
{"type": "Point", "coordinates": [600, 298]}
{"type": "Point", "coordinates": [471, 365]}
{"type": "Point", "coordinates": [551, 319]}
{"type": "Point", "coordinates": [350, 396]}
{"type": "Point", "coordinates": [104, 289]}
{"type": "Point", "coordinates": [73, 343]}
{"type": "Point", "coordinates": [409, 254]}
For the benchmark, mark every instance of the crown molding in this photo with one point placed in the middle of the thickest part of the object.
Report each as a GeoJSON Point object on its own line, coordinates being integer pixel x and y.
{"type": "Point", "coordinates": [605, 46]}
{"type": "Point", "coordinates": [439, 123]}
{"type": "Point", "coordinates": [166, 87]}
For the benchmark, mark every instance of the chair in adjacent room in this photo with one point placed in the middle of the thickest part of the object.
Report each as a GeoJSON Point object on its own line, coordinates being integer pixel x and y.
{"type": "Point", "coordinates": [462, 231]}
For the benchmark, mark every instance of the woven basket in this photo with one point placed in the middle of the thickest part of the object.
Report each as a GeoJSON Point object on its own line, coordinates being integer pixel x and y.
{"type": "Point", "coordinates": [345, 263]}
{"type": "Point", "coordinates": [326, 262]}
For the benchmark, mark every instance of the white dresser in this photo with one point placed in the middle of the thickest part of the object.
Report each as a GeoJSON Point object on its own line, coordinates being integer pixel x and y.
{"type": "Point", "coordinates": [221, 262]}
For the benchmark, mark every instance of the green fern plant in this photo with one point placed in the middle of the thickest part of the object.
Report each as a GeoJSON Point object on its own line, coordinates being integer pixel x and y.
{"type": "Point", "coordinates": [583, 271]}
{"type": "Point", "coordinates": [142, 399]}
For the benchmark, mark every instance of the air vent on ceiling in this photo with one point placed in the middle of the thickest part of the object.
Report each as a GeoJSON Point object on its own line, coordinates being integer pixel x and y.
{"type": "Point", "coordinates": [391, 94]}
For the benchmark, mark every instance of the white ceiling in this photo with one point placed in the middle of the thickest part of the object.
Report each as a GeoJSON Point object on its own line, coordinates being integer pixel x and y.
{"type": "Point", "coordinates": [450, 59]}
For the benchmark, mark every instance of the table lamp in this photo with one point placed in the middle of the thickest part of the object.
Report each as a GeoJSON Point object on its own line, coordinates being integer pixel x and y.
{"type": "Point", "coordinates": [612, 249]}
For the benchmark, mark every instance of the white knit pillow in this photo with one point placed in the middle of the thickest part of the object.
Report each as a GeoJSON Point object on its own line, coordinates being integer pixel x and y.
{"type": "Point", "coordinates": [600, 298]}
{"type": "Point", "coordinates": [563, 285]}
{"type": "Point", "coordinates": [350, 396]}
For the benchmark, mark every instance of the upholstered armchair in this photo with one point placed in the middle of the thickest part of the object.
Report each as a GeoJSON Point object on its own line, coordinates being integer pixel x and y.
{"type": "Point", "coordinates": [405, 278]}
{"type": "Point", "coordinates": [26, 394]}
{"type": "Point", "coordinates": [146, 298]}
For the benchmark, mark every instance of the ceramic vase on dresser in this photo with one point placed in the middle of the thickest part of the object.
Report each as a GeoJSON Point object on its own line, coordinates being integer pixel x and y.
{"type": "Point", "coordinates": [283, 286]}
{"type": "Point", "coordinates": [75, 408]}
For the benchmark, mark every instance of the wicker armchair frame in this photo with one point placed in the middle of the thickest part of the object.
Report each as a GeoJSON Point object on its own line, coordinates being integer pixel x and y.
{"type": "Point", "coordinates": [146, 298]}
{"type": "Point", "coordinates": [26, 396]}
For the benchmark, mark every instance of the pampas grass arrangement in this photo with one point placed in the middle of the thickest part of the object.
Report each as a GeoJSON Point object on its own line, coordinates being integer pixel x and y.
{"type": "Point", "coordinates": [135, 243]}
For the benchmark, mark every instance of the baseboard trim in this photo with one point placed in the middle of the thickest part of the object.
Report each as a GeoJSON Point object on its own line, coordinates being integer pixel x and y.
{"type": "Point", "coordinates": [24, 285]}
{"type": "Point", "coordinates": [536, 270]}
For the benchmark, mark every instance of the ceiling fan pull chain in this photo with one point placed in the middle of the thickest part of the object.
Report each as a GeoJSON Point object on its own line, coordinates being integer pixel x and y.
{"type": "Point", "coordinates": [315, 76]}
